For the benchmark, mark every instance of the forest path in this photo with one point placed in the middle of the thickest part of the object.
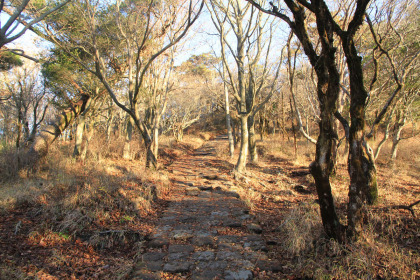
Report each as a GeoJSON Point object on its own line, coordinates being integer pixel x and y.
{"type": "Point", "coordinates": [206, 232]}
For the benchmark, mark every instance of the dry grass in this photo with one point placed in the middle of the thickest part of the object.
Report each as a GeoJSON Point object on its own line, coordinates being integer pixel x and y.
{"type": "Point", "coordinates": [70, 207]}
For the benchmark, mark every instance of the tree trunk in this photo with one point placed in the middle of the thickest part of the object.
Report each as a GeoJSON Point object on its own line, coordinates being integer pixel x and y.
{"type": "Point", "coordinates": [89, 134]}
{"type": "Point", "coordinates": [228, 122]}
{"type": "Point", "coordinates": [127, 141]}
{"type": "Point", "coordinates": [293, 127]}
{"type": "Point", "coordinates": [151, 159]}
{"type": "Point", "coordinates": [252, 141]}
{"type": "Point", "coordinates": [109, 126]}
{"type": "Point", "coordinates": [384, 139]}
{"type": "Point", "coordinates": [362, 170]}
{"type": "Point", "coordinates": [234, 134]}
{"type": "Point", "coordinates": [19, 131]}
{"type": "Point", "coordinates": [243, 152]}
{"type": "Point", "coordinates": [79, 136]}
{"type": "Point", "coordinates": [397, 135]}
{"type": "Point", "coordinates": [50, 132]}
{"type": "Point", "coordinates": [323, 165]}
{"type": "Point", "coordinates": [155, 141]}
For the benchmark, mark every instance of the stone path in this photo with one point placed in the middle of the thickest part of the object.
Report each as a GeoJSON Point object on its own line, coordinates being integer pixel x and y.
{"type": "Point", "coordinates": [206, 232]}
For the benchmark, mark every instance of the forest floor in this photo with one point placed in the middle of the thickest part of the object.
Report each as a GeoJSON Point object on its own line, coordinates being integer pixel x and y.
{"type": "Point", "coordinates": [193, 220]}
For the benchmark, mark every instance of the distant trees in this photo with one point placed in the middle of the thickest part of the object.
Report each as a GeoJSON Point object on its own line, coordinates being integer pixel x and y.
{"type": "Point", "coordinates": [26, 107]}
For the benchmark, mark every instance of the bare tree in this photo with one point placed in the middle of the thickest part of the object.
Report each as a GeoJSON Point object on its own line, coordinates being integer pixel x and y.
{"type": "Point", "coordinates": [252, 67]}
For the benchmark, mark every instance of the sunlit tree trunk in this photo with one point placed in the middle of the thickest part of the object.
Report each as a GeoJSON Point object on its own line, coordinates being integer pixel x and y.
{"type": "Point", "coordinates": [252, 139]}
{"type": "Point", "coordinates": [399, 125]}
{"type": "Point", "coordinates": [47, 134]}
{"type": "Point", "coordinates": [127, 140]}
{"type": "Point", "coordinates": [228, 118]}
{"type": "Point", "coordinates": [243, 151]}
{"type": "Point", "coordinates": [79, 135]}
{"type": "Point", "coordinates": [89, 134]}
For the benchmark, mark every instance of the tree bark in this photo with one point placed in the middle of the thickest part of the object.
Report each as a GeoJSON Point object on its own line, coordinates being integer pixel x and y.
{"type": "Point", "coordinates": [362, 170]}
{"type": "Point", "coordinates": [252, 141]}
{"type": "Point", "coordinates": [228, 119]}
{"type": "Point", "coordinates": [127, 140]}
{"type": "Point", "coordinates": [243, 152]}
{"type": "Point", "coordinates": [79, 136]}
{"type": "Point", "coordinates": [292, 117]}
{"type": "Point", "coordinates": [399, 125]}
{"type": "Point", "coordinates": [89, 134]}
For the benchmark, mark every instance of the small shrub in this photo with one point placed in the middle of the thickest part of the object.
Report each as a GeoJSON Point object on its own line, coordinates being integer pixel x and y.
{"type": "Point", "coordinates": [300, 228]}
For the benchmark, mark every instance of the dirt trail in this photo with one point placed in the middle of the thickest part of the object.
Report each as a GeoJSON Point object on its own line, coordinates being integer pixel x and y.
{"type": "Point", "coordinates": [206, 232]}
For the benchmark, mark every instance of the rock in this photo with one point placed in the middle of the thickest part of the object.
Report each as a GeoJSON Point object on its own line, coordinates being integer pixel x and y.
{"type": "Point", "coordinates": [233, 224]}
{"type": "Point", "coordinates": [177, 267]}
{"type": "Point", "coordinates": [227, 255]}
{"type": "Point", "coordinates": [269, 265]}
{"type": "Point", "coordinates": [205, 194]}
{"type": "Point", "coordinates": [203, 256]}
{"type": "Point", "coordinates": [181, 256]}
{"type": "Point", "coordinates": [255, 243]}
{"type": "Point", "coordinates": [182, 234]}
{"type": "Point", "coordinates": [238, 275]}
{"type": "Point", "coordinates": [219, 214]}
{"type": "Point", "coordinates": [154, 266]}
{"type": "Point", "coordinates": [211, 177]}
{"type": "Point", "coordinates": [158, 242]}
{"type": "Point", "coordinates": [193, 191]}
{"type": "Point", "coordinates": [228, 239]}
{"type": "Point", "coordinates": [232, 194]}
{"type": "Point", "coordinates": [302, 189]}
{"type": "Point", "coordinates": [255, 228]}
{"type": "Point", "coordinates": [179, 248]}
{"type": "Point", "coordinates": [212, 265]}
{"type": "Point", "coordinates": [142, 275]}
{"type": "Point", "coordinates": [207, 275]}
{"type": "Point", "coordinates": [206, 188]}
{"type": "Point", "coordinates": [153, 256]}
{"type": "Point", "coordinates": [245, 217]}
{"type": "Point", "coordinates": [202, 241]}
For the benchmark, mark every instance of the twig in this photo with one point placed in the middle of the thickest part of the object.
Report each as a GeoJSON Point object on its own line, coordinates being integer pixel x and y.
{"type": "Point", "coordinates": [408, 208]}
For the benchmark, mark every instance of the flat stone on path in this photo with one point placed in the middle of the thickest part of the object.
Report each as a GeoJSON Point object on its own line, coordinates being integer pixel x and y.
{"type": "Point", "coordinates": [153, 256]}
{"type": "Point", "coordinates": [158, 242]}
{"type": "Point", "coordinates": [238, 275]}
{"type": "Point", "coordinates": [180, 248]}
{"type": "Point", "coordinates": [255, 228]}
{"type": "Point", "coordinates": [203, 256]}
{"type": "Point", "coordinates": [177, 267]}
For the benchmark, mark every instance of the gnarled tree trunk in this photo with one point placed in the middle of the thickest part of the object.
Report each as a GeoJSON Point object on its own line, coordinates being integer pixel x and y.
{"type": "Point", "coordinates": [47, 135]}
